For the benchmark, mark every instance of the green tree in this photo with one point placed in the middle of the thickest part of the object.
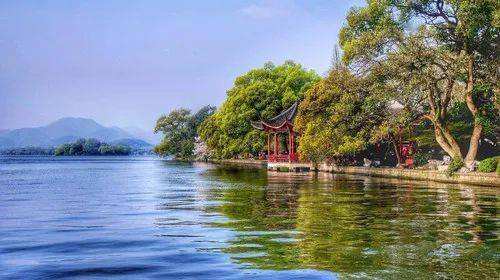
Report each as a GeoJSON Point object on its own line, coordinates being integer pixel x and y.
{"type": "Point", "coordinates": [261, 93]}
{"type": "Point", "coordinates": [200, 116]}
{"type": "Point", "coordinates": [180, 130]}
{"type": "Point", "coordinates": [91, 146]}
{"type": "Point", "coordinates": [106, 149]}
{"type": "Point", "coordinates": [121, 150]}
{"type": "Point", "coordinates": [177, 140]}
{"type": "Point", "coordinates": [76, 148]}
{"type": "Point", "coordinates": [441, 50]}
{"type": "Point", "coordinates": [338, 117]}
{"type": "Point", "coordinates": [62, 150]}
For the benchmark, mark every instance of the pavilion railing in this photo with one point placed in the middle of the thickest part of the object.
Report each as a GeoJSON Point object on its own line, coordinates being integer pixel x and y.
{"type": "Point", "coordinates": [283, 158]}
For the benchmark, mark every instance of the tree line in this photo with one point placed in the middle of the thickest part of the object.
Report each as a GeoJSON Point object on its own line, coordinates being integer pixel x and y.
{"type": "Point", "coordinates": [81, 147]}
{"type": "Point", "coordinates": [423, 70]}
{"type": "Point", "coordinates": [91, 147]}
{"type": "Point", "coordinates": [28, 151]}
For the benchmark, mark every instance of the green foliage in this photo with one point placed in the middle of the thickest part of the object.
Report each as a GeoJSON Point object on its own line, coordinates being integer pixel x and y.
{"type": "Point", "coordinates": [369, 30]}
{"type": "Point", "coordinates": [178, 139]}
{"type": "Point", "coordinates": [28, 151]}
{"type": "Point", "coordinates": [200, 116]}
{"type": "Point", "coordinates": [180, 130]}
{"type": "Point", "coordinates": [261, 93]}
{"type": "Point", "coordinates": [489, 115]}
{"type": "Point", "coordinates": [283, 169]}
{"type": "Point", "coordinates": [454, 166]}
{"type": "Point", "coordinates": [421, 158]}
{"type": "Point", "coordinates": [489, 165]}
{"type": "Point", "coordinates": [426, 50]}
{"type": "Point", "coordinates": [90, 147]}
{"type": "Point", "coordinates": [337, 117]}
{"type": "Point", "coordinates": [62, 150]}
{"type": "Point", "coordinates": [111, 150]}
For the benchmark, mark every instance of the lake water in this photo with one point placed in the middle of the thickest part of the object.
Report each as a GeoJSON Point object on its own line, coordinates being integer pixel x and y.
{"type": "Point", "coordinates": [143, 218]}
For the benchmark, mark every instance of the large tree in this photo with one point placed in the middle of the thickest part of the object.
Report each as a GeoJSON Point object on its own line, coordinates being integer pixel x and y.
{"type": "Point", "coordinates": [261, 93]}
{"type": "Point", "coordinates": [338, 117]}
{"type": "Point", "coordinates": [179, 128]}
{"type": "Point", "coordinates": [442, 50]}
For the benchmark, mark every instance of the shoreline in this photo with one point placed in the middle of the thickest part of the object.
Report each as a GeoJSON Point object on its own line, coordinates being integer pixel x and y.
{"type": "Point", "coordinates": [473, 178]}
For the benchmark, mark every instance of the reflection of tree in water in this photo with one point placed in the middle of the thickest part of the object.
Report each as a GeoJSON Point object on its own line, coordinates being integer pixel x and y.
{"type": "Point", "coordinates": [365, 228]}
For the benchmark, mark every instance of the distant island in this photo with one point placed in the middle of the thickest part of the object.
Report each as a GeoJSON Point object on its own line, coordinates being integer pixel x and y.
{"type": "Point", "coordinates": [74, 136]}
{"type": "Point", "coordinates": [28, 151]}
{"type": "Point", "coordinates": [91, 147]}
{"type": "Point", "coordinates": [81, 147]}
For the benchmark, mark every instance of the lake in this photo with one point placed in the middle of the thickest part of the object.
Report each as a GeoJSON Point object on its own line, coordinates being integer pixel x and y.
{"type": "Point", "coordinates": [130, 218]}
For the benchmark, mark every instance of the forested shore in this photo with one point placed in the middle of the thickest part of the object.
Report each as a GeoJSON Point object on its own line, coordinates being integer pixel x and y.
{"type": "Point", "coordinates": [420, 71]}
{"type": "Point", "coordinates": [81, 147]}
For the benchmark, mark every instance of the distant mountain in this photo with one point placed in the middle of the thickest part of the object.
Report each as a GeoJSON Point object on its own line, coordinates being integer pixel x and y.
{"type": "Point", "coordinates": [72, 126]}
{"type": "Point", "coordinates": [62, 131]}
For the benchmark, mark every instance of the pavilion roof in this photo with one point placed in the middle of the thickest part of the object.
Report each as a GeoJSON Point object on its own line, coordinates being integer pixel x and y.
{"type": "Point", "coordinates": [285, 117]}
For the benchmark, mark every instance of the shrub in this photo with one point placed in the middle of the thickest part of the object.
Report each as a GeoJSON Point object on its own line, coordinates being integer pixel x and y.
{"type": "Point", "coordinates": [488, 165]}
{"type": "Point", "coordinates": [421, 158]}
{"type": "Point", "coordinates": [283, 169]}
{"type": "Point", "coordinates": [454, 166]}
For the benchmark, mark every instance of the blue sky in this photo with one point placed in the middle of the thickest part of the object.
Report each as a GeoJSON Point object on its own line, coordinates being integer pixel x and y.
{"type": "Point", "coordinates": [126, 62]}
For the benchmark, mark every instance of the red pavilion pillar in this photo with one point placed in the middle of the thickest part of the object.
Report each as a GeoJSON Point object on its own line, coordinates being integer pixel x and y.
{"type": "Point", "coordinates": [290, 151]}
{"type": "Point", "coordinates": [275, 144]}
{"type": "Point", "coordinates": [268, 145]}
{"type": "Point", "coordinates": [291, 143]}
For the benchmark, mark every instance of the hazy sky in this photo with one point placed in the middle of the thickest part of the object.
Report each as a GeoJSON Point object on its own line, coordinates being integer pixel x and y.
{"type": "Point", "coordinates": [126, 62]}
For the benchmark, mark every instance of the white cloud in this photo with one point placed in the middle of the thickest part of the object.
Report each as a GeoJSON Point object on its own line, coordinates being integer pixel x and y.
{"type": "Point", "coordinates": [269, 9]}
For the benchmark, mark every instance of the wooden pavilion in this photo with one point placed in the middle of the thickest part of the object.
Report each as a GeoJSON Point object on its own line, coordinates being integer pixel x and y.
{"type": "Point", "coordinates": [276, 127]}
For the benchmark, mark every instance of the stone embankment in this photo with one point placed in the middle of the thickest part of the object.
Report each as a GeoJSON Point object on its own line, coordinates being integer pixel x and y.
{"type": "Point", "coordinates": [474, 178]}
{"type": "Point", "coordinates": [242, 163]}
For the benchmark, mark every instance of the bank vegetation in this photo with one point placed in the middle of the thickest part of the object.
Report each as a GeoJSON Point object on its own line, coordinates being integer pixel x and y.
{"type": "Point", "coordinates": [425, 71]}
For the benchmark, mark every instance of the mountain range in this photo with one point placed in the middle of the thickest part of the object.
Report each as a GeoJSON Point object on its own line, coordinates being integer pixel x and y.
{"type": "Point", "coordinates": [67, 130]}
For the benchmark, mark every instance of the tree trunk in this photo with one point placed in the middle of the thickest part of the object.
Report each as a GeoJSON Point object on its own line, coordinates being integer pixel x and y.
{"type": "Point", "coordinates": [478, 127]}
{"type": "Point", "coordinates": [444, 138]}
{"type": "Point", "coordinates": [438, 117]}
{"type": "Point", "coordinates": [452, 149]}
{"type": "Point", "coordinates": [473, 145]}
{"type": "Point", "coordinates": [451, 141]}
{"type": "Point", "coordinates": [397, 150]}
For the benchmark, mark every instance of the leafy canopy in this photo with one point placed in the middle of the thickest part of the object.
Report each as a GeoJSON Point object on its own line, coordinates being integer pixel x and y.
{"type": "Point", "coordinates": [261, 93]}
{"type": "Point", "coordinates": [438, 51]}
{"type": "Point", "coordinates": [90, 147]}
{"type": "Point", "coordinates": [180, 130]}
{"type": "Point", "coordinates": [338, 117]}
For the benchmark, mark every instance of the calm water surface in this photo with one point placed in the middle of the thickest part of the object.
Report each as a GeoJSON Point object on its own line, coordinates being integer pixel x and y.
{"type": "Point", "coordinates": [137, 218]}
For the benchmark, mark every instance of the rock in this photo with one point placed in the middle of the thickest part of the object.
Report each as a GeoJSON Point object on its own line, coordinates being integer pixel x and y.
{"type": "Point", "coordinates": [442, 167]}
{"type": "Point", "coordinates": [446, 160]}
{"type": "Point", "coordinates": [434, 164]}
{"type": "Point", "coordinates": [472, 167]}
{"type": "Point", "coordinates": [464, 170]}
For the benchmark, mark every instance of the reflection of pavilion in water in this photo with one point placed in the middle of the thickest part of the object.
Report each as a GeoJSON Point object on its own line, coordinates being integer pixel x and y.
{"type": "Point", "coordinates": [354, 225]}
